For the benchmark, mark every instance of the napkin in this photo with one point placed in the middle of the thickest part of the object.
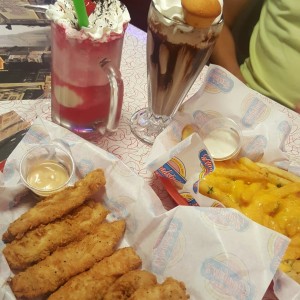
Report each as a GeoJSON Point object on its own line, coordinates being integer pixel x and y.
{"type": "Point", "coordinates": [207, 248]}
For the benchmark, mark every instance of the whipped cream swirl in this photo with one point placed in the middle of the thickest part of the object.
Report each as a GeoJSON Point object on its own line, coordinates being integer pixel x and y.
{"type": "Point", "coordinates": [170, 8]}
{"type": "Point", "coordinates": [108, 17]}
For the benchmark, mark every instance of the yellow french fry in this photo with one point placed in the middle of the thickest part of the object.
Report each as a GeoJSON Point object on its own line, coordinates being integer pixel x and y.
{"type": "Point", "coordinates": [249, 176]}
{"type": "Point", "coordinates": [281, 173]}
{"type": "Point", "coordinates": [284, 191]}
{"type": "Point", "coordinates": [213, 192]}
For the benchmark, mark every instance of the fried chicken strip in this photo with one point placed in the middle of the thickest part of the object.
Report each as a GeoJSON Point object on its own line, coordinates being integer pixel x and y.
{"type": "Point", "coordinates": [170, 289]}
{"type": "Point", "coordinates": [92, 284]}
{"type": "Point", "coordinates": [128, 283]}
{"type": "Point", "coordinates": [56, 205]}
{"type": "Point", "coordinates": [40, 242]}
{"type": "Point", "coordinates": [102, 285]}
{"type": "Point", "coordinates": [56, 269]}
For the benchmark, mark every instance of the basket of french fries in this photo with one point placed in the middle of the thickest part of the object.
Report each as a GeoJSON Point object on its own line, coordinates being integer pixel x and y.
{"type": "Point", "coordinates": [262, 179]}
{"type": "Point", "coordinates": [266, 194]}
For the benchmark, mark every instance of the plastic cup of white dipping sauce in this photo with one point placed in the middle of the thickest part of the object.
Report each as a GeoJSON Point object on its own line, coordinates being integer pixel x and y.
{"type": "Point", "coordinates": [46, 169]}
{"type": "Point", "coordinates": [222, 137]}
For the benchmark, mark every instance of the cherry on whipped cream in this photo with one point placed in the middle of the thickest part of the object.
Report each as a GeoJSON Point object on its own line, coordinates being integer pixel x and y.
{"type": "Point", "coordinates": [90, 6]}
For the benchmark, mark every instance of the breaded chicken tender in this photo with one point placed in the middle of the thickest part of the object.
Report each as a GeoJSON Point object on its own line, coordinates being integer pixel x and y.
{"type": "Point", "coordinates": [98, 291]}
{"type": "Point", "coordinates": [37, 244]}
{"type": "Point", "coordinates": [52, 272]}
{"type": "Point", "coordinates": [128, 283]}
{"type": "Point", "coordinates": [56, 205]}
{"type": "Point", "coordinates": [92, 284]}
{"type": "Point", "coordinates": [170, 289]}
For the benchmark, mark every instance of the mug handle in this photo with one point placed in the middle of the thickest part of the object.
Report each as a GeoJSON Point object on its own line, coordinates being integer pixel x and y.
{"type": "Point", "coordinates": [116, 92]}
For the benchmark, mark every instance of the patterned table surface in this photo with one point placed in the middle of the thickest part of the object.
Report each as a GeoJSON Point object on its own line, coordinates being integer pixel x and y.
{"type": "Point", "coordinates": [123, 144]}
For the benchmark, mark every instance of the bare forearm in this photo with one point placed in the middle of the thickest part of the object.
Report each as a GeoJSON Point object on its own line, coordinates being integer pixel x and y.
{"type": "Point", "coordinates": [224, 53]}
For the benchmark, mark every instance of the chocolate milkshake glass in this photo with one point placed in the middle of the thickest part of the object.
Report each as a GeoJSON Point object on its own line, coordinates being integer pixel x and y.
{"type": "Point", "coordinates": [87, 87]}
{"type": "Point", "coordinates": [176, 54]}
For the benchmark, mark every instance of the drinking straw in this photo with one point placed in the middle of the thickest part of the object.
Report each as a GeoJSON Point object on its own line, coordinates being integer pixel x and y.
{"type": "Point", "coordinates": [82, 16]}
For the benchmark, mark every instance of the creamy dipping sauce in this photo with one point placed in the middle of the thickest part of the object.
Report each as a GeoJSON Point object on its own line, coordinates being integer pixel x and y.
{"type": "Point", "coordinates": [222, 143]}
{"type": "Point", "coordinates": [47, 176]}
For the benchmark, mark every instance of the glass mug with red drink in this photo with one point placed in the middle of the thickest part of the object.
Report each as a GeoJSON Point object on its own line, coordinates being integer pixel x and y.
{"type": "Point", "coordinates": [86, 83]}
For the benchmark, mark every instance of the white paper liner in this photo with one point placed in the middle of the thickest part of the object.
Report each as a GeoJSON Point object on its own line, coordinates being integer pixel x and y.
{"type": "Point", "coordinates": [203, 247]}
{"type": "Point", "coordinates": [207, 248]}
{"type": "Point", "coordinates": [269, 134]}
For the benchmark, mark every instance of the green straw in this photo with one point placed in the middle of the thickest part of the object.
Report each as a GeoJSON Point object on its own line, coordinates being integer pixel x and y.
{"type": "Point", "coordinates": [82, 16]}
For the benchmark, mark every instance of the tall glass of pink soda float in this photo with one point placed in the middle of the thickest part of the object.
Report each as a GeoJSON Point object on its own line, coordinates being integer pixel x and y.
{"type": "Point", "coordinates": [86, 83]}
{"type": "Point", "coordinates": [178, 47]}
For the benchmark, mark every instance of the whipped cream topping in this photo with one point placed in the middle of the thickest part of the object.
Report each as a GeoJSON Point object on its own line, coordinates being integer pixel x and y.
{"type": "Point", "coordinates": [173, 9]}
{"type": "Point", "coordinates": [108, 17]}
{"type": "Point", "coordinates": [170, 8]}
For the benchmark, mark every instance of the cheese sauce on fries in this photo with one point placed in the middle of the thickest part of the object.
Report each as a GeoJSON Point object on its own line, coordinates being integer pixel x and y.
{"type": "Point", "coordinates": [266, 194]}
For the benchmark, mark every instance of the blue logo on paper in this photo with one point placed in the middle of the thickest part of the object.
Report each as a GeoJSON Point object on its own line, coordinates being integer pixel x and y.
{"type": "Point", "coordinates": [165, 245]}
{"type": "Point", "coordinates": [206, 162]}
{"type": "Point", "coordinates": [225, 280]}
{"type": "Point", "coordinates": [255, 148]}
{"type": "Point", "coordinates": [218, 80]}
{"type": "Point", "coordinates": [36, 134]}
{"type": "Point", "coordinates": [174, 169]}
{"type": "Point", "coordinates": [280, 246]}
{"type": "Point", "coordinates": [255, 111]}
{"type": "Point", "coordinates": [85, 166]}
{"type": "Point", "coordinates": [228, 218]}
{"type": "Point", "coordinates": [189, 199]}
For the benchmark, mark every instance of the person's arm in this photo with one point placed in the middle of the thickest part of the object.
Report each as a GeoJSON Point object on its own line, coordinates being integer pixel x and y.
{"type": "Point", "coordinates": [224, 53]}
